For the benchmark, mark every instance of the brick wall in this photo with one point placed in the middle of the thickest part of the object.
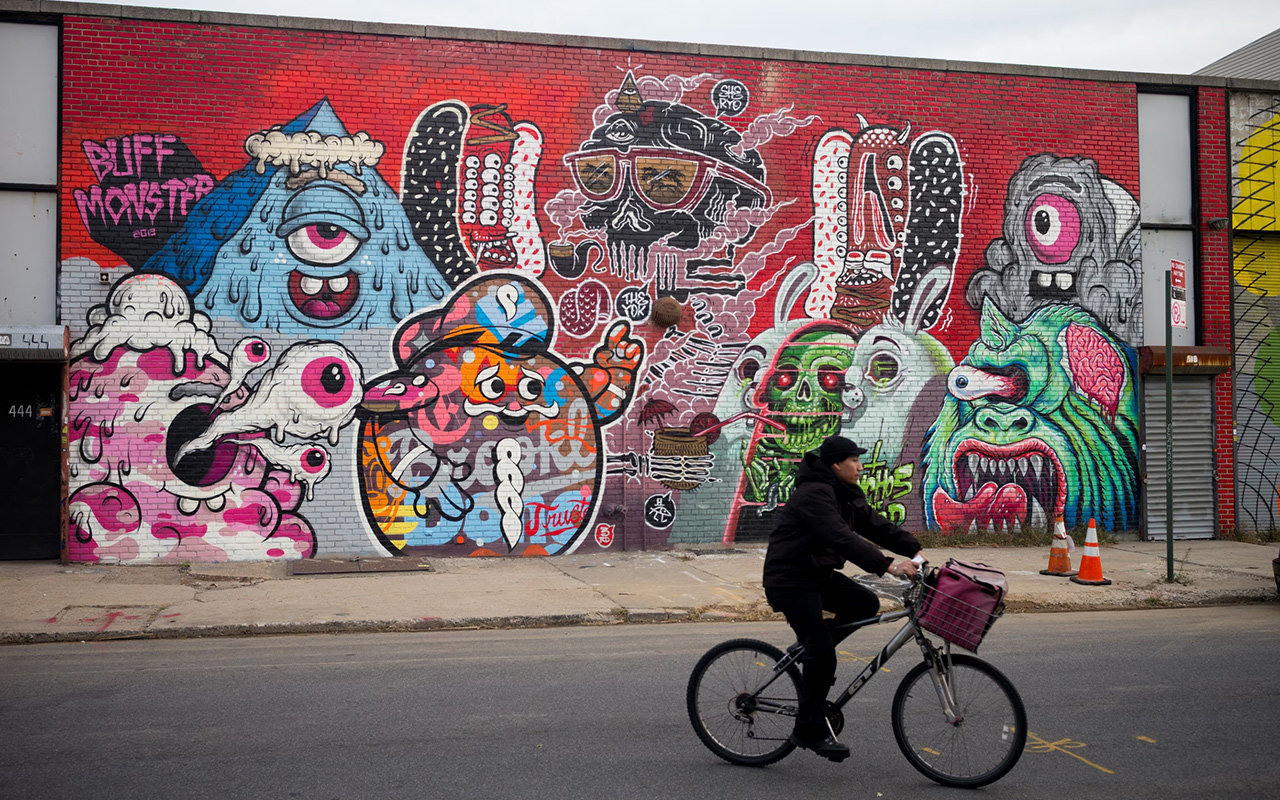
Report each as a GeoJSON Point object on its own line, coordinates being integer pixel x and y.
{"type": "Point", "coordinates": [1215, 280]}
{"type": "Point", "coordinates": [395, 295]}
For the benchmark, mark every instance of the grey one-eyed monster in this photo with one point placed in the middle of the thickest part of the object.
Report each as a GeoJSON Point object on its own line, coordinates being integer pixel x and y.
{"type": "Point", "coordinates": [1071, 236]}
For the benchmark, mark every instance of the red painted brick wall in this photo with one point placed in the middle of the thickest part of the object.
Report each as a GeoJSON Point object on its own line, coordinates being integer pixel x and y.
{"type": "Point", "coordinates": [969, 420]}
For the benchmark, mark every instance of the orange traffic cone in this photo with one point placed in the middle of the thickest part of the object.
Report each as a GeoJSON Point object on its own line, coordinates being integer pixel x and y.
{"type": "Point", "coordinates": [1060, 552]}
{"type": "Point", "coordinates": [1091, 561]}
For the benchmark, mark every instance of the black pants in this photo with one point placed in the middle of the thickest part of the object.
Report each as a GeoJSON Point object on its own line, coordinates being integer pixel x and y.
{"type": "Point", "coordinates": [803, 609]}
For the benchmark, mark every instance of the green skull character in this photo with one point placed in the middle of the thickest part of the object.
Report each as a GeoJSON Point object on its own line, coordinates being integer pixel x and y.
{"type": "Point", "coordinates": [1040, 420]}
{"type": "Point", "coordinates": [805, 391]}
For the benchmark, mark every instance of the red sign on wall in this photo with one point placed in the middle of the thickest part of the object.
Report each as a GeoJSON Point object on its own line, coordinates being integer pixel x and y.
{"type": "Point", "coordinates": [1178, 309]}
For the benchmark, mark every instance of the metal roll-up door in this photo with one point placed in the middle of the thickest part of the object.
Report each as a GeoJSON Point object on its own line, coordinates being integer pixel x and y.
{"type": "Point", "coordinates": [1194, 490]}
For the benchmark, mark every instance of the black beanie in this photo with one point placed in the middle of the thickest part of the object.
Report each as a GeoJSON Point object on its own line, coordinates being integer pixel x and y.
{"type": "Point", "coordinates": [837, 448]}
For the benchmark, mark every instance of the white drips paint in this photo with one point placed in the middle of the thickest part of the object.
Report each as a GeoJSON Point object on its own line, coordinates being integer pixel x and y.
{"type": "Point", "coordinates": [506, 470]}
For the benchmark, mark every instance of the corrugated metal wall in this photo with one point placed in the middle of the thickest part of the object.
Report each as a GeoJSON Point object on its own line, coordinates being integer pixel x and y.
{"type": "Point", "coordinates": [1194, 509]}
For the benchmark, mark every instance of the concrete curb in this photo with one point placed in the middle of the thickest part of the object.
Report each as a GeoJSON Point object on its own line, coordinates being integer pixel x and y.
{"type": "Point", "coordinates": [1136, 600]}
{"type": "Point", "coordinates": [50, 602]}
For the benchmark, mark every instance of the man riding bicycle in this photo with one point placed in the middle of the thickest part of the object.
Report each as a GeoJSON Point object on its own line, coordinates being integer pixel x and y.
{"type": "Point", "coordinates": [822, 527]}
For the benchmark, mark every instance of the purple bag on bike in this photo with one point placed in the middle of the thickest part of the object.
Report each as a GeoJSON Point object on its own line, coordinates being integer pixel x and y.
{"type": "Point", "coordinates": [962, 603]}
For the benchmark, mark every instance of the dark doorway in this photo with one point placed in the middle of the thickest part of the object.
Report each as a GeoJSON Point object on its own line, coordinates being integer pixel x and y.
{"type": "Point", "coordinates": [30, 459]}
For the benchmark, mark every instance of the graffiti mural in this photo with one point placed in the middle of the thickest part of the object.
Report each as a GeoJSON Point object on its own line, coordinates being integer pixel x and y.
{"type": "Point", "coordinates": [670, 189]}
{"type": "Point", "coordinates": [887, 210]}
{"type": "Point", "coordinates": [392, 296]}
{"type": "Point", "coordinates": [484, 437]}
{"type": "Point", "coordinates": [469, 189]}
{"type": "Point", "coordinates": [147, 185]}
{"type": "Point", "coordinates": [173, 456]}
{"type": "Point", "coordinates": [1255, 136]}
{"type": "Point", "coordinates": [1071, 236]}
{"type": "Point", "coordinates": [1041, 421]}
{"type": "Point", "coordinates": [308, 235]}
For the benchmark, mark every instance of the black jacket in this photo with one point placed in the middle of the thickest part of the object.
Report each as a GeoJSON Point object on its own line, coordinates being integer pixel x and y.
{"type": "Point", "coordinates": [819, 531]}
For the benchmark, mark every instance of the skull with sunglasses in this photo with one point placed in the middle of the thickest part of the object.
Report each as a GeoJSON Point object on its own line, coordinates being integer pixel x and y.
{"type": "Point", "coordinates": [659, 174]}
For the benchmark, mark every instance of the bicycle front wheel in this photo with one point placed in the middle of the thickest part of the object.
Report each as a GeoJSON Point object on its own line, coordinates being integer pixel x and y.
{"type": "Point", "coordinates": [733, 712]}
{"type": "Point", "coordinates": [978, 747]}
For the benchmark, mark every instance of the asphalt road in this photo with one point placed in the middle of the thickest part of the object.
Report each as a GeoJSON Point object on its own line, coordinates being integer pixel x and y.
{"type": "Point", "coordinates": [1136, 704]}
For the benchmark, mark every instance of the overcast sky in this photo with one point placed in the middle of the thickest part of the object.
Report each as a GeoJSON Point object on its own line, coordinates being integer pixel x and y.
{"type": "Point", "coordinates": [1178, 36]}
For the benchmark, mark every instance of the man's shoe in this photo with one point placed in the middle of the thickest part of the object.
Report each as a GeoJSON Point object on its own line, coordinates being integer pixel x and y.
{"type": "Point", "coordinates": [827, 747]}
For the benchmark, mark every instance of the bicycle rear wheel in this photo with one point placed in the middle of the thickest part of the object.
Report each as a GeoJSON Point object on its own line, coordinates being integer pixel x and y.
{"type": "Point", "coordinates": [730, 718]}
{"type": "Point", "coordinates": [982, 745]}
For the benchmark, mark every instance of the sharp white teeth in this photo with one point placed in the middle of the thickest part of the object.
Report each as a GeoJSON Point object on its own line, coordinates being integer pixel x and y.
{"type": "Point", "coordinates": [310, 285]}
{"type": "Point", "coordinates": [1023, 466]}
{"type": "Point", "coordinates": [1037, 462]}
{"type": "Point", "coordinates": [973, 490]}
{"type": "Point", "coordinates": [339, 285]}
{"type": "Point", "coordinates": [188, 506]}
{"type": "Point", "coordinates": [991, 527]}
{"type": "Point", "coordinates": [986, 464]}
{"type": "Point", "coordinates": [973, 528]}
{"type": "Point", "coordinates": [1038, 517]}
{"type": "Point", "coordinates": [974, 462]}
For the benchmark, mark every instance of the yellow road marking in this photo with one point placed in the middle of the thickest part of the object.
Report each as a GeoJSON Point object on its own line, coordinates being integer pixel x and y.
{"type": "Point", "coordinates": [1145, 739]}
{"type": "Point", "coordinates": [739, 598]}
{"type": "Point", "coordinates": [860, 659]}
{"type": "Point", "coordinates": [1039, 745]}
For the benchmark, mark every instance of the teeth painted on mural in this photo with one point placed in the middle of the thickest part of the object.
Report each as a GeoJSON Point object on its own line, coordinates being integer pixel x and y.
{"type": "Point", "coordinates": [310, 285]}
{"type": "Point", "coordinates": [188, 505]}
{"type": "Point", "coordinates": [339, 284]}
{"type": "Point", "coordinates": [1038, 517]}
{"type": "Point", "coordinates": [216, 503]}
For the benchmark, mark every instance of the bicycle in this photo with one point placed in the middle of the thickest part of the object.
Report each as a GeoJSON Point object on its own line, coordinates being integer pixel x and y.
{"type": "Point", "coordinates": [956, 718]}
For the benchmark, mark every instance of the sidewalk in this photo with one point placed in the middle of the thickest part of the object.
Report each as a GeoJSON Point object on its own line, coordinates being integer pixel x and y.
{"type": "Point", "coordinates": [48, 601]}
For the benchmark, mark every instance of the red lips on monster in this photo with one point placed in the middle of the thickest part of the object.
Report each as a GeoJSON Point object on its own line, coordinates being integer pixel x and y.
{"type": "Point", "coordinates": [1002, 486]}
{"type": "Point", "coordinates": [324, 298]}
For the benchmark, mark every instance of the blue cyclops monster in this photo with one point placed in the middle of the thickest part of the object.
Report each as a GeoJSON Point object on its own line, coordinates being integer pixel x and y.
{"type": "Point", "coordinates": [306, 236]}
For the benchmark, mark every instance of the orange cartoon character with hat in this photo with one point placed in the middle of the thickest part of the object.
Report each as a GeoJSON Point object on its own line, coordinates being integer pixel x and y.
{"type": "Point", "coordinates": [484, 440]}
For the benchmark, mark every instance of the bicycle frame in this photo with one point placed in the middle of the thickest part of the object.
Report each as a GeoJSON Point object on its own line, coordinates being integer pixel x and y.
{"type": "Point", "coordinates": [934, 656]}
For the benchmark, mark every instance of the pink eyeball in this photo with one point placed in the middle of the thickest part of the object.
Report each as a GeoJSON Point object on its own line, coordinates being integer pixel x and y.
{"type": "Point", "coordinates": [1053, 228]}
{"type": "Point", "coordinates": [314, 459]}
{"type": "Point", "coordinates": [328, 381]}
{"type": "Point", "coordinates": [256, 351]}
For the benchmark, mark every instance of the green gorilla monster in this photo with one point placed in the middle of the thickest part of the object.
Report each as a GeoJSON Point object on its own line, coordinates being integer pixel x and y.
{"type": "Point", "coordinates": [1040, 419]}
